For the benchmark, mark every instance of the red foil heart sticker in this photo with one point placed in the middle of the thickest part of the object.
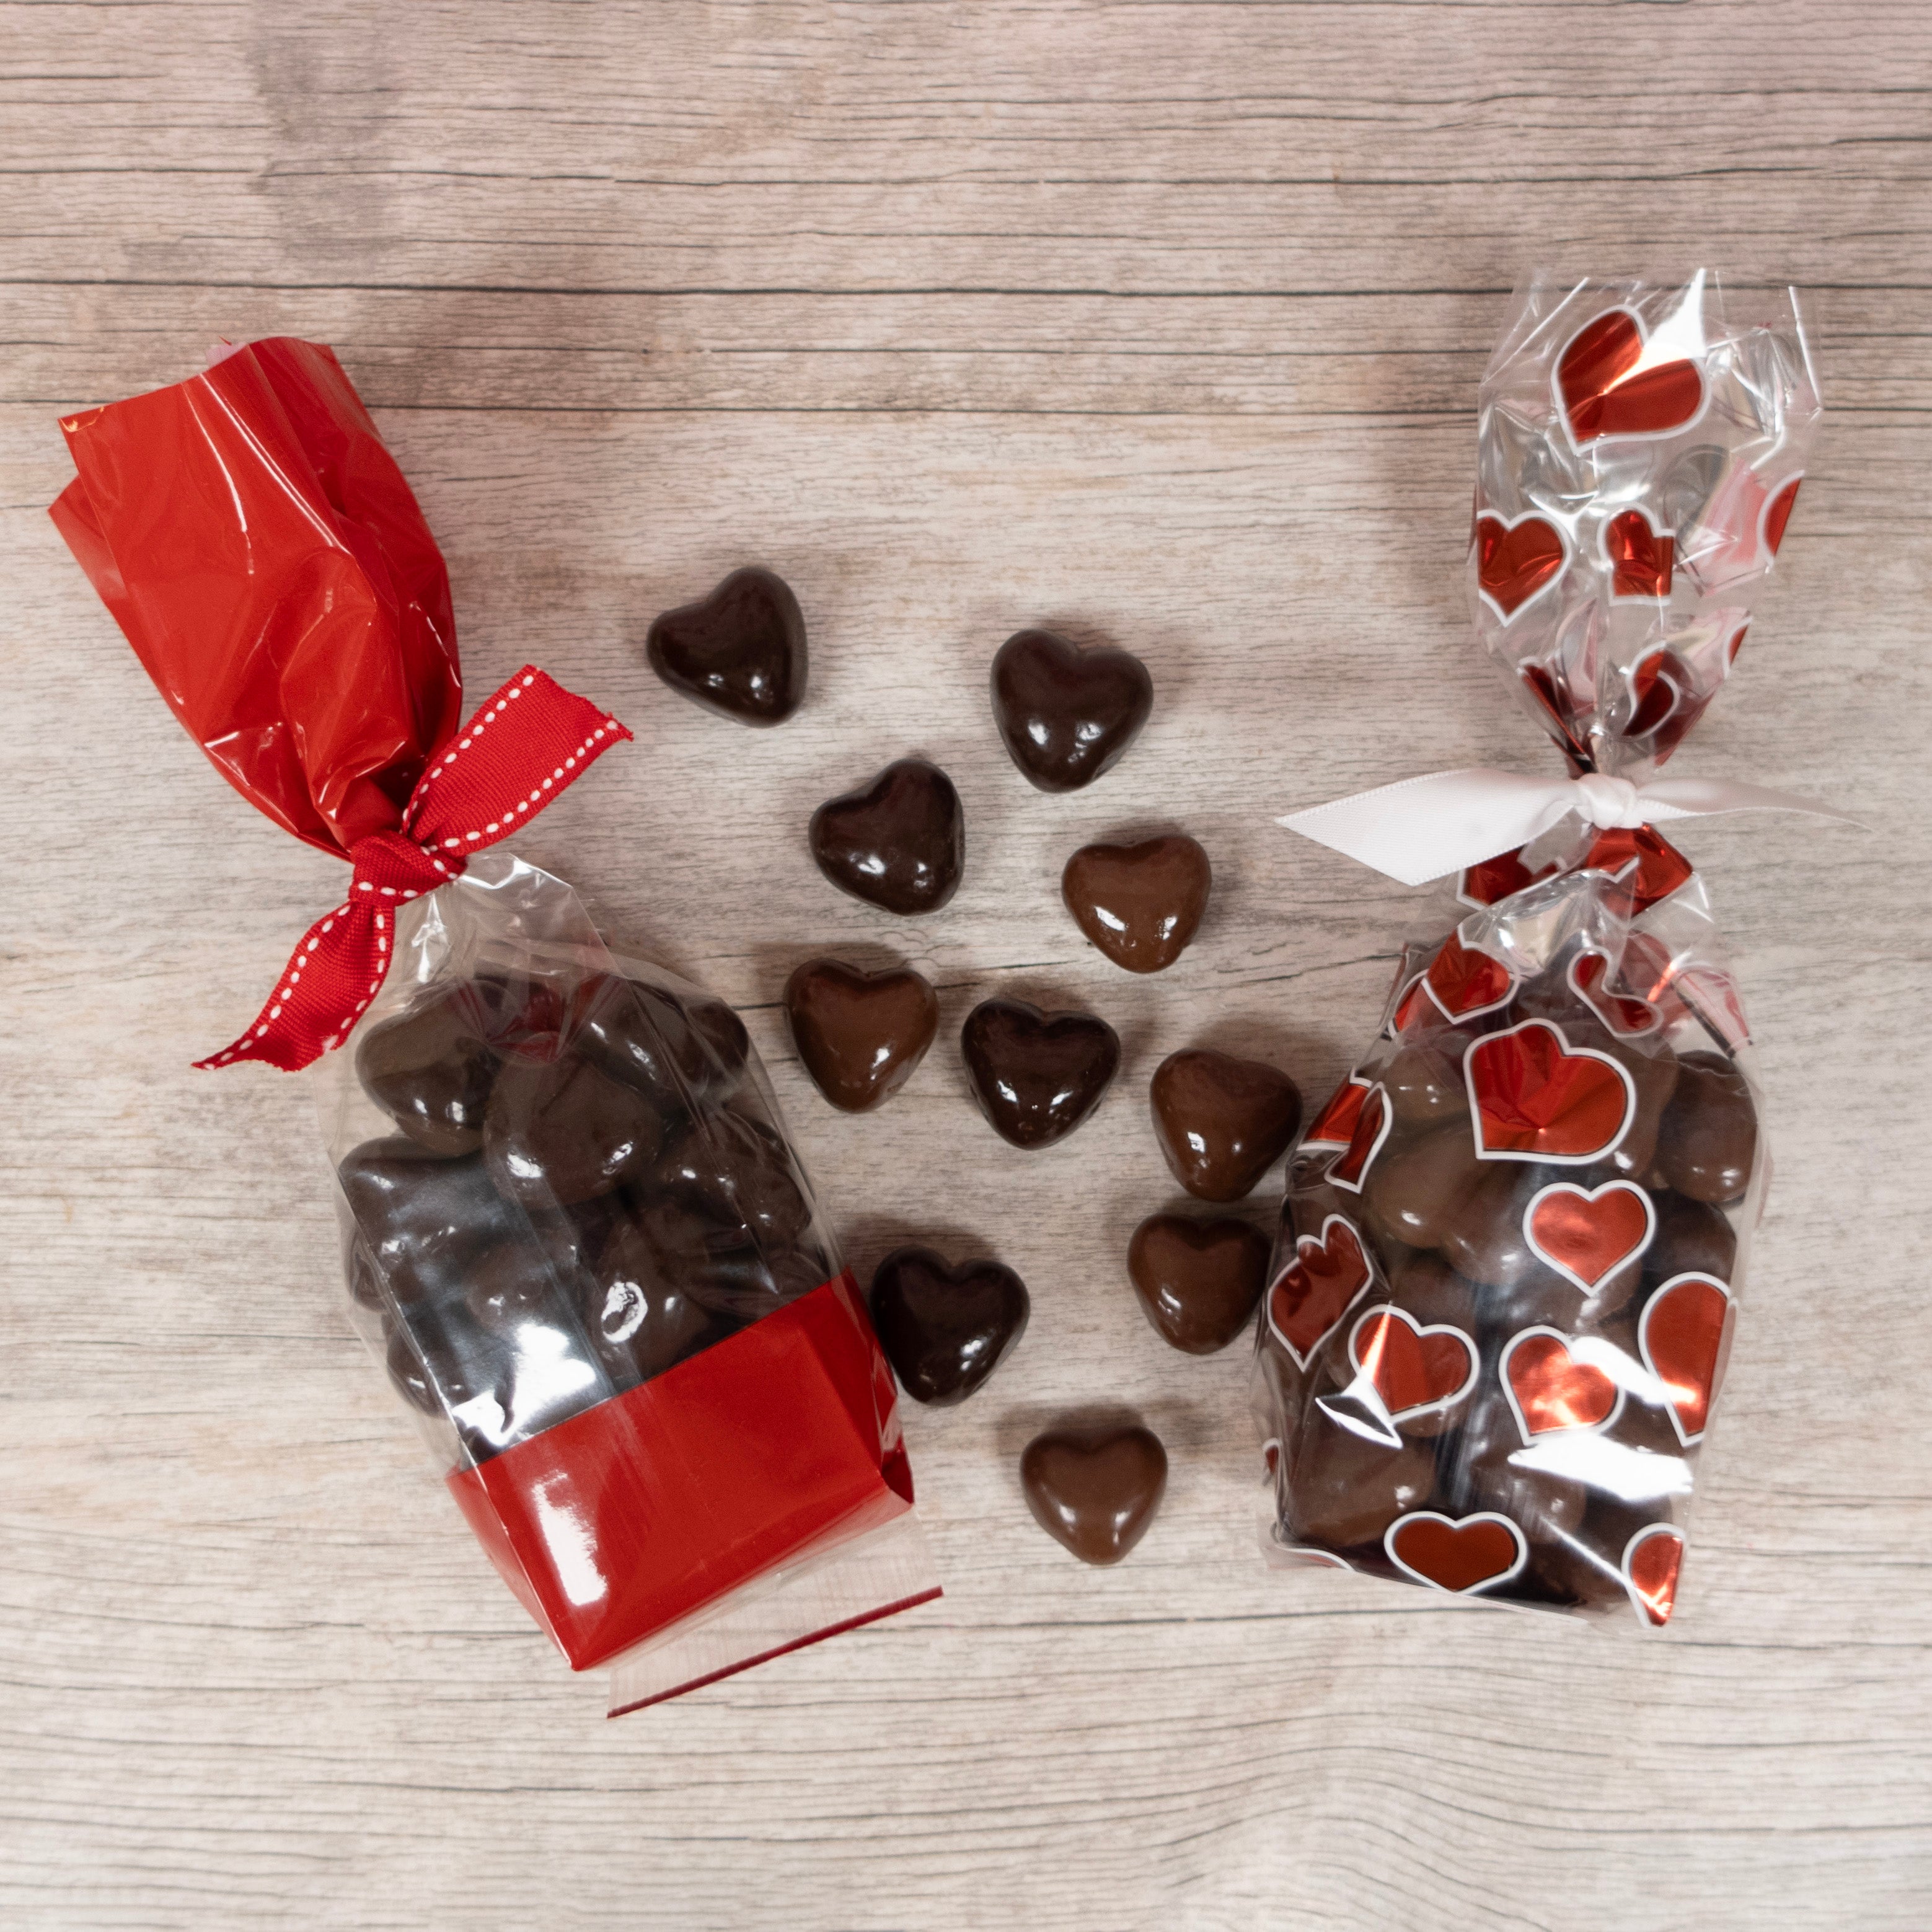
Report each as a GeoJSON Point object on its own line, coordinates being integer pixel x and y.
{"type": "Point", "coordinates": [1414, 1005]}
{"type": "Point", "coordinates": [1335, 1125]}
{"type": "Point", "coordinates": [1316, 1289]}
{"type": "Point", "coordinates": [1641, 857]}
{"type": "Point", "coordinates": [1535, 1097]}
{"type": "Point", "coordinates": [1659, 684]}
{"type": "Point", "coordinates": [1552, 1388]}
{"type": "Point", "coordinates": [1605, 390]}
{"type": "Point", "coordinates": [1620, 1012]}
{"type": "Point", "coordinates": [1498, 878]}
{"type": "Point", "coordinates": [1684, 1337]}
{"type": "Point", "coordinates": [1460, 1557]}
{"type": "Point", "coordinates": [1416, 1371]}
{"type": "Point", "coordinates": [1465, 983]}
{"type": "Point", "coordinates": [1541, 682]}
{"type": "Point", "coordinates": [1776, 514]}
{"type": "Point", "coordinates": [1640, 555]}
{"type": "Point", "coordinates": [1651, 1561]}
{"type": "Point", "coordinates": [1516, 561]}
{"type": "Point", "coordinates": [1372, 1129]}
{"type": "Point", "coordinates": [1586, 1237]}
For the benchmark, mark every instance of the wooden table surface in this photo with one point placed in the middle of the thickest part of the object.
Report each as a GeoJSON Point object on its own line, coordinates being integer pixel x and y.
{"type": "Point", "coordinates": [1160, 322]}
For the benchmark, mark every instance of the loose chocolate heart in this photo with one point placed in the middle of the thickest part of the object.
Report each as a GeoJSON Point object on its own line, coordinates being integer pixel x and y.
{"type": "Point", "coordinates": [1067, 714]}
{"type": "Point", "coordinates": [556, 1134]}
{"type": "Point", "coordinates": [1094, 1487]}
{"type": "Point", "coordinates": [739, 651]}
{"type": "Point", "coordinates": [1221, 1123]}
{"type": "Point", "coordinates": [431, 1070]}
{"type": "Point", "coordinates": [1036, 1076]}
{"type": "Point", "coordinates": [1198, 1281]}
{"type": "Point", "coordinates": [1140, 904]}
{"type": "Point", "coordinates": [945, 1330]}
{"type": "Point", "coordinates": [859, 1034]}
{"type": "Point", "coordinates": [899, 843]}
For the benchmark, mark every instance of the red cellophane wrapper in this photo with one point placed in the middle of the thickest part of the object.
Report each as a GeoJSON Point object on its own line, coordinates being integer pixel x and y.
{"type": "Point", "coordinates": [1513, 1240]}
{"type": "Point", "coordinates": [574, 1229]}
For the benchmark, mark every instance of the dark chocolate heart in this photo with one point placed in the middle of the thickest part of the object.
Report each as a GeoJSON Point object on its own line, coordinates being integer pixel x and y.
{"type": "Point", "coordinates": [739, 651]}
{"type": "Point", "coordinates": [1067, 714]}
{"type": "Point", "coordinates": [1140, 904]}
{"type": "Point", "coordinates": [640, 1315]}
{"type": "Point", "coordinates": [732, 1167]}
{"type": "Point", "coordinates": [858, 1034]}
{"type": "Point", "coordinates": [945, 1330]}
{"type": "Point", "coordinates": [431, 1070]}
{"type": "Point", "coordinates": [1094, 1486]}
{"type": "Point", "coordinates": [1222, 1122]}
{"type": "Point", "coordinates": [682, 1050]}
{"type": "Point", "coordinates": [1036, 1076]}
{"type": "Point", "coordinates": [899, 843]}
{"type": "Point", "coordinates": [557, 1133]}
{"type": "Point", "coordinates": [1198, 1281]}
{"type": "Point", "coordinates": [420, 1218]}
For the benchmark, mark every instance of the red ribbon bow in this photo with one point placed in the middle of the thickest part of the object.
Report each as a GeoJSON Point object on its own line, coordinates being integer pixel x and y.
{"type": "Point", "coordinates": [522, 748]}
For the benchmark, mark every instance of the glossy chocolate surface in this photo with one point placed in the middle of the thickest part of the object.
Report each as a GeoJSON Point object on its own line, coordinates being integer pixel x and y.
{"type": "Point", "coordinates": [422, 1219]}
{"type": "Point", "coordinates": [1067, 714]}
{"type": "Point", "coordinates": [1222, 1122]}
{"type": "Point", "coordinates": [640, 1312]}
{"type": "Point", "coordinates": [557, 1133]}
{"type": "Point", "coordinates": [430, 1069]}
{"type": "Point", "coordinates": [1140, 904]}
{"type": "Point", "coordinates": [860, 1035]}
{"type": "Point", "coordinates": [1197, 1280]}
{"type": "Point", "coordinates": [681, 1051]}
{"type": "Point", "coordinates": [1094, 1487]}
{"type": "Point", "coordinates": [732, 1168]}
{"type": "Point", "coordinates": [739, 651]}
{"type": "Point", "coordinates": [1417, 1187]}
{"type": "Point", "coordinates": [945, 1330]}
{"type": "Point", "coordinates": [1692, 1238]}
{"type": "Point", "coordinates": [1346, 1489]}
{"type": "Point", "coordinates": [899, 843]}
{"type": "Point", "coordinates": [1707, 1142]}
{"type": "Point", "coordinates": [1425, 1086]}
{"type": "Point", "coordinates": [1036, 1076]}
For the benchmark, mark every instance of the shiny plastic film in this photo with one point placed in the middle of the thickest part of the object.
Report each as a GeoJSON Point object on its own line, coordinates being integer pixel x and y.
{"type": "Point", "coordinates": [1506, 1279]}
{"type": "Point", "coordinates": [574, 1231]}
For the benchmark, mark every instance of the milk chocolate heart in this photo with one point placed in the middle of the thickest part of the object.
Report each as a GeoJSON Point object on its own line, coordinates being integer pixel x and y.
{"type": "Point", "coordinates": [945, 1330]}
{"type": "Point", "coordinates": [899, 843]}
{"type": "Point", "coordinates": [1651, 1560]}
{"type": "Point", "coordinates": [1036, 1076]}
{"type": "Point", "coordinates": [1640, 555]}
{"type": "Point", "coordinates": [1094, 1487]}
{"type": "Point", "coordinates": [1461, 1557]}
{"type": "Point", "coordinates": [739, 651]}
{"type": "Point", "coordinates": [1551, 1384]}
{"type": "Point", "coordinates": [1516, 561]}
{"type": "Point", "coordinates": [1140, 904]}
{"type": "Point", "coordinates": [860, 1035]}
{"type": "Point", "coordinates": [1221, 1123]}
{"type": "Point", "coordinates": [1684, 1337]}
{"type": "Point", "coordinates": [1416, 1370]}
{"type": "Point", "coordinates": [1067, 714]}
{"type": "Point", "coordinates": [431, 1070]}
{"type": "Point", "coordinates": [1317, 1288]}
{"type": "Point", "coordinates": [1605, 392]}
{"type": "Point", "coordinates": [1537, 1098]}
{"type": "Point", "coordinates": [1587, 1236]}
{"type": "Point", "coordinates": [1198, 1281]}
{"type": "Point", "coordinates": [1707, 1140]}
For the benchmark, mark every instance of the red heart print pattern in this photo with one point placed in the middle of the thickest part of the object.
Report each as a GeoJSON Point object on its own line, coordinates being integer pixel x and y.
{"type": "Point", "coordinates": [1606, 391]}
{"type": "Point", "coordinates": [1541, 682]}
{"type": "Point", "coordinates": [1463, 982]}
{"type": "Point", "coordinates": [1474, 1553]}
{"type": "Point", "coordinates": [1586, 1237]}
{"type": "Point", "coordinates": [1589, 973]}
{"type": "Point", "coordinates": [1732, 649]}
{"type": "Point", "coordinates": [1776, 514]}
{"type": "Point", "coordinates": [1335, 1125]}
{"type": "Point", "coordinates": [1517, 561]}
{"type": "Point", "coordinates": [1498, 878]}
{"type": "Point", "coordinates": [1640, 555]}
{"type": "Point", "coordinates": [1651, 1560]}
{"type": "Point", "coordinates": [1535, 1097]}
{"type": "Point", "coordinates": [1659, 683]}
{"type": "Point", "coordinates": [1550, 1388]}
{"type": "Point", "coordinates": [1414, 1005]}
{"type": "Point", "coordinates": [1654, 867]}
{"type": "Point", "coordinates": [1684, 1337]}
{"type": "Point", "coordinates": [1316, 1289]}
{"type": "Point", "coordinates": [1372, 1129]}
{"type": "Point", "coordinates": [1415, 1370]}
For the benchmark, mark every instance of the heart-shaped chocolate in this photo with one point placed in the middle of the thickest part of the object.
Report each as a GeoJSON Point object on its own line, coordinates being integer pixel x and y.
{"type": "Point", "coordinates": [1198, 1281]}
{"type": "Point", "coordinates": [1222, 1122]}
{"type": "Point", "coordinates": [555, 1134]}
{"type": "Point", "coordinates": [859, 1034]}
{"type": "Point", "coordinates": [431, 1070]}
{"type": "Point", "coordinates": [681, 1050]}
{"type": "Point", "coordinates": [1094, 1487]}
{"type": "Point", "coordinates": [1036, 1076]}
{"type": "Point", "coordinates": [1707, 1140]}
{"type": "Point", "coordinates": [739, 651]}
{"type": "Point", "coordinates": [945, 1330]}
{"type": "Point", "coordinates": [1140, 904]}
{"type": "Point", "coordinates": [899, 842]}
{"type": "Point", "coordinates": [1067, 714]}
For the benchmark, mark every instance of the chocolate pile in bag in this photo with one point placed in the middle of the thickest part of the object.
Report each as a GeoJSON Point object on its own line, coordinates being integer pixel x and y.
{"type": "Point", "coordinates": [585, 1188]}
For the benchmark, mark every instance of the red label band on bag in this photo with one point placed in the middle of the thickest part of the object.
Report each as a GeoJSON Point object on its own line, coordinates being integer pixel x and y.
{"type": "Point", "coordinates": [615, 1524]}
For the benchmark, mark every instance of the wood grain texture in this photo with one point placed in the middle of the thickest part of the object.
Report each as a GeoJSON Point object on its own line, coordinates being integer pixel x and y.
{"type": "Point", "coordinates": [1162, 323]}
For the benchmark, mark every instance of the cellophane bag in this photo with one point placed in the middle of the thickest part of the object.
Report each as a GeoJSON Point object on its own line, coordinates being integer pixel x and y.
{"type": "Point", "coordinates": [574, 1230]}
{"type": "Point", "coordinates": [1513, 1242]}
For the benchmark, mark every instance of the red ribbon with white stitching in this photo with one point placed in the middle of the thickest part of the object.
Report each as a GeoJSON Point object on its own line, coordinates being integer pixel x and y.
{"type": "Point", "coordinates": [522, 748]}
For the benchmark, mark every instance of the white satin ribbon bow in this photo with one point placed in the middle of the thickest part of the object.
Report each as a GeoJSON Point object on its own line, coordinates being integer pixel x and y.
{"type": "Point", "coordinates": [1422, 829]}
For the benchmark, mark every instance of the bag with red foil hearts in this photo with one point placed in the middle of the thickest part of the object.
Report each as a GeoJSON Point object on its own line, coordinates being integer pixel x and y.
{"type": "Point", "coordinates": [1503, 1291]}
{"type": "Point", "coordinates": [573, 1229]}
